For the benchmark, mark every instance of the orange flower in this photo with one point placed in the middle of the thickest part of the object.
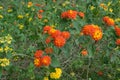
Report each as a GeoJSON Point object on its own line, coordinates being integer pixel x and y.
{"type": "Point", "coordinates": [37, 62]}
{"type": "Point", "coordinates": [97, 35]}
{"type": "Point", "coordinates": [117, 30]}
{"type": "Point", "coordinates": [49, 50]}
{"type": "Point", "coordinates": [48, 40]}
{"type": "Point", "coordinates": [51, 31]}
{"type": "Point", "coordinates": [59, 41]}
{"type": "Point", "coordinates": [38, 54]}
{"type": "Point", "coordinates": [46, 60]}
{"type": "Point", "coordinates": [39, 16]}
{"type": "Point", "coordinates": [70, 14]}
{"type": "Point", "coordinates": [93, 30]}
{"type": "Point", "coordinates": [84, 52]}
{"type": "Point", "coordinates": [66, 34]}
{"type": "Point", "coordinates": [109, 21]}
{"type": "Point", "coordinates": [81, 14]}
{"type": "Point", "coordinates": [118, 42]}
{"type": "Point", "coordinates": [40, 11]}
{"type": "Point", "coordinates": [46, 29]}
{"type": "Point", "coordinates": [56, 33]}
{"type": "Point", "coordinates": [30, 4]}
{"type": "Point", "coordinates": [100, 73]}
{"type": "Point", "coordinates": [38, 5]}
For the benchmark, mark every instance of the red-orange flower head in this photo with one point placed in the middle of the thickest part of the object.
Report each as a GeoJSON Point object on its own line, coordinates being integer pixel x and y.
{"type": "Point", "coordinates": [46, 29]}
{"type": "Point", "coordinates": [66, 34]}
{"type": "Point", "coordinates": [118, 42]}
{"type": "Point", "coordinates": [97, 35]}
{"type": "Point", "coordinates": [109, 21]}
{"type": "Point", "coordinates": [93, 30]}
{"type": "Point", "coordinates": [37, 62]}
{"type": "Point", "coordinates": [56, 33]}
{"type": "Point", "coordinates": [39, 16]}
{"type": "Point", "coordinates": [38, 54]}
{"type": "Point", "coordinates": [84, 52]}
{"type": "Point", "coordinates": [70, 14]}
{"type": "Point", "coordinates": [117, 30]}
{"type": "Point", "coordinates": [51, 31]}
{"type": "Point", "coordinates": [46, 60]}
{"type": "Point", "coordinates": [100, 73]}
{"type": "Point", "coordinates": [40, 11]}
{"type": "Point", "coordinates": [49, 50]}
{"type": "Point", "coordinates": [81, 14]}
{"type": "Point", "coordinates": [59, 41]}
{"type": "Point", "coordinates": [48, 40]}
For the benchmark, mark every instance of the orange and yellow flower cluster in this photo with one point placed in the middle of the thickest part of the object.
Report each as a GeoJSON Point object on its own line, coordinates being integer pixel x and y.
{"type": "Point", "coordinates": [71, 14]}
{"type": "Point", "coordinates": [41, 60]}
{"type": "Point", "coordinates": [93, 30]}
{"type": "Point", "coordinates": [108, 21]}
{"type": "Point", "coordinates": [56, 74]}
{"type": "Point", "coordinates": [59, 38]}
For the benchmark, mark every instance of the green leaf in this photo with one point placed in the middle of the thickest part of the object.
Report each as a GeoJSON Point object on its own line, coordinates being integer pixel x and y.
{"type": "Point", "coordinates": [55, 62]}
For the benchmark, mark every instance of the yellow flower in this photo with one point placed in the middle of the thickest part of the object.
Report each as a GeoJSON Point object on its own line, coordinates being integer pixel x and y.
{"type": "Point", "coordinates": [45, 78]}
{"type": "Point", "coordinates": [27, 14]}
{"type": "Point", "coordinates": [4, 62]}
{"type": "Point", "coordinates": [109, 3]}
{"type": "Point", "coordinates": [1, 49]}
{"type": "Point", "coordinates": [104, 6]}
{"type": "Point", "coordinates": [72, 74]}
{"type": "Point", "coordinates": [6, 49]}
{"type": "Point", "coordinates": [92, 7]}
{"type": "Point", "coordinates": [2, 40]}
{"type": "Point", "coordinates": [30, 19]}
{"type": "Point", "coordinates": [56, 74]}
{"type": "Point", "coordinates": [111, 10]}
{"type": "Point", "coordinates": [20, 16]}
{"type": "Point", "coordinates": [117, 20]}
{"type": "Point", "coordinates": [1, 16]}
{"type": "Point", "coordinates": [1, 7]}
{"type": "Point", "coordinates": [45, 20]}
{"type": "Point", "coordinates": [21, 26]}
{"type": "Point", "coordinates": [29, 4]}
{"type": "Point", "coordinates": [8, 39]}
{"type": "Point", "coordinates": [9, 10]}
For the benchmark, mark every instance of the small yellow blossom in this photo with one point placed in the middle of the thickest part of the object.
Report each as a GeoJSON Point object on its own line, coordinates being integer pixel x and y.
{"type": "Point", "coordinates": [109, 3]}
{"type": "Point", "coordinates": [45, 20]}
{"type": "Point", "coordinates": [45, 78]}
{"type": "Point", "coordinates": [30, 19]}
{"type": "Point", "coordinates": [9, 10]}
{"type": "Point", "coordinates": [27, 15]}
{"type": "Point", "coordinates": [117, 20]}
{"type": "Point", "coordinates": [111, 10]}
{"type": "Point", "coordinates": [56, 74]}
{"type": "Point", "coordinates": [29, 4]}
{"type": "Point", "coordinates": [21, 26]}
{"type": "Point", "coordinates": [72, 74]}
{"type": "Point", "coordinates": [2, 40]}
{"type": "Point", "coordinates": [8, 38]}
{"type": "Point", "coordinates": [6, 49]}
{"type": "Point", "coordinates": [92, 7]}
{"type": "Point", "coordinates": [33, 9]}
{"type": "Point", "coordinates": [1, 16]}
{"type": "Point", "coordinates": [20, 16]}
{"type": "Point", "coordinates": [104, 6]}
{"type": "Point", "coordinates": [1, 49]}
{"type": "Point", "coordinates": [1, 7]}
{"type": "Point", "coordinates": [4, 62]}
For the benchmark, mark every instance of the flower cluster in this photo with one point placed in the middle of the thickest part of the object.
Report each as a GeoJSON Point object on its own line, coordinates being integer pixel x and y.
{"type": "Point", "coordinates": [93, 30]}
{"type": "Point", "coordinates": [5, 43]}
{"type": "Point", "coordinates": [70, 14]}
{"type": "Point", "coordinates": [41, 60]}
{"type": "Point", "coordinates": [117, 32]}
{"type": "Point", "coordinates": [59, 38]}
{"type": "Point", "coordinates": [109, 21]}
{"type": "Point", "coordinates": [4, 62]}
{"type": "Point", "coordinates": [56, 74]}
{"type": "Point", "coordinates": [39, 14]}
